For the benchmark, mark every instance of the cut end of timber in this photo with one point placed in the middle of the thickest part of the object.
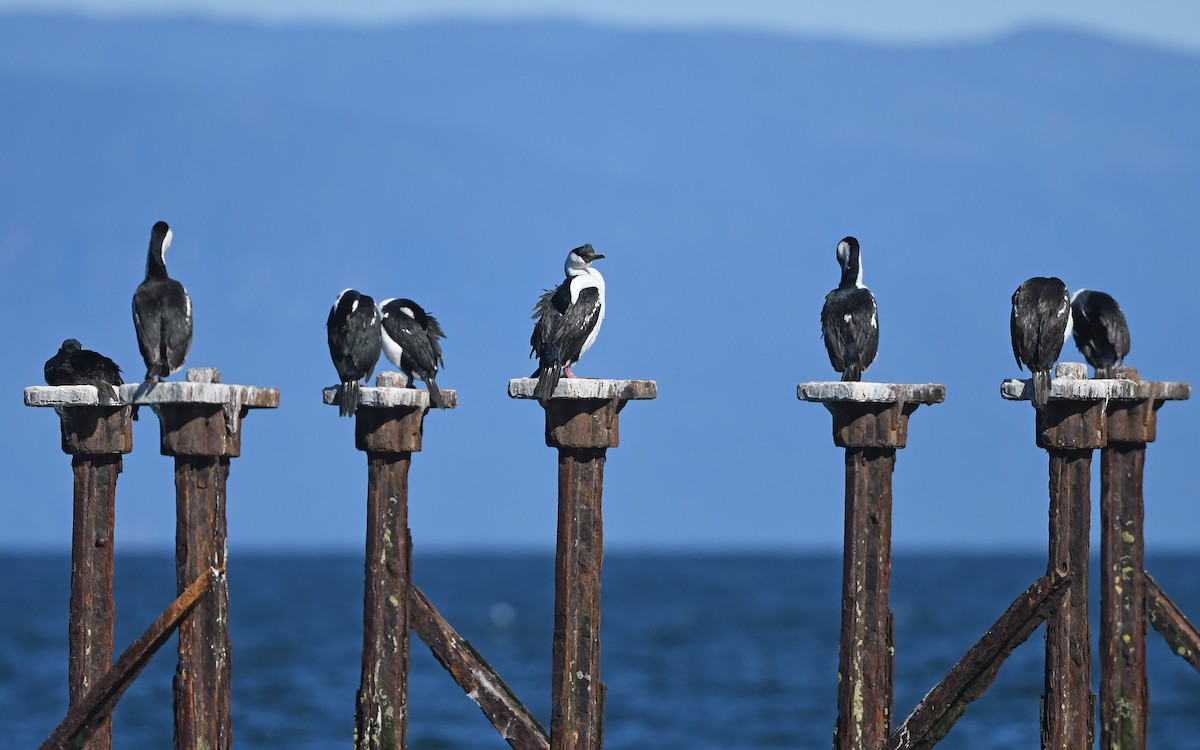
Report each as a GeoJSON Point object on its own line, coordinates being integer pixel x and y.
{"type": "Point", "coordinates": [872, 393]}
{"type": "Point", "coordinates": [1071, 383]}
{"type": "Point", "coordinates": [196, 389]}
{"type": "Point", "coordinates": [588, 388]}
{"type": "Point", "coordinates": [391, 397]}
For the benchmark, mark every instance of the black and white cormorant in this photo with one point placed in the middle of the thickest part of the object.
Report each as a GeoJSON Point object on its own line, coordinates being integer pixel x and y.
{"type": "Point", "coordinates": [850, 317]}
{"type": "Point", "coordinates": [1101, 332]}
{"type": "Point", "coordinates": [162, 311]}
{"type": "Point", "coordinates": [354, 342]}
{"type": "Point", "coordinates": [74, 365]}
{"type": "Point", "coordinates": [410, 341]}
{"type": "Point", "coordinates": [1041, 318]}
{"type": "Point", "coordinates": [568, 319]}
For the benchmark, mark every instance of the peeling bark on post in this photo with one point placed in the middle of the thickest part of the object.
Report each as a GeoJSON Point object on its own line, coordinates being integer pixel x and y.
{"type": "Point", "coordinates": [203, 676]}
{"type": "Point", "coordinates": [582, 423]}
{"type": "Point", "coordinates": [973, 674]}
{"type": "Point", "coordinates": [93, 709]}
{"type": "Point", "coordinates": [389, 428]}
{"type": "Point", "coordinates": [1170, 622]}
{"type": "Point", "coordinates": [381, 717]}
{"type": "Point", "coordinates": [1124, 691]}
{"type": "Point", "coordinates": [96, 437]}
{"type": "Point", "coordinates": [870, 420]}
{"type": "Point", "coordinates": [577, 713]}
{"type": "Point", "coordinates": [1067, 704]}
{"type": "Point", "coordinates": [866, 653]}
{"type": "Point", "coordinates": [476, 677]}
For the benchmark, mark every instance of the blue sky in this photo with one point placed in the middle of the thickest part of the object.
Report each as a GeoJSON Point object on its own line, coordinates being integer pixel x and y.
{"type": "Point", "coordinates": [663, 489]}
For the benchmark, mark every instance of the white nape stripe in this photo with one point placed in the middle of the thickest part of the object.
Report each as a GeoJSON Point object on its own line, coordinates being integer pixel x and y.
{"type": "Point", "coordinates": [858, 281]}
{"type": "Point", "coordinates": [167, 242]}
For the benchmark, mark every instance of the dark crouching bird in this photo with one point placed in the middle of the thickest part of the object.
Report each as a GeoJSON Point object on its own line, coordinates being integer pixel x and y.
{"type": "Point", "coordinates": [74, 365]}
{"type": "Point", "coordinates": [1041, 316]}
{"type": "Point", "coordinates": [354, 342]}
{"type": "Point", "coordinates": [850, 317]}
{"type": "Point", "coordinates": [1101, 332]}
{"type": "Point", "coordinates": [568, 319]}
{"type": "Point", "coordinates": [410, 341]}
{"type": "Point", "coordinates": [162, 311]}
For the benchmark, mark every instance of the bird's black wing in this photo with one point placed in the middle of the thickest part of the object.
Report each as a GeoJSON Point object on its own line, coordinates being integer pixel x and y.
{"type": "Point", "coordinates": [576, 324]}
{"type": "Point", "coordinates": [420, 348]}
{"type": "Point", "coordinates": [146, 314]}
{"type": "Point", "coordinates": [176, 325]}
{"type": "Point", "coordinates": [1015, 327]}
{"type": "Point", "coordinates": [546, 314]}
{"type": "Point", "coordinates": [1117, 330]}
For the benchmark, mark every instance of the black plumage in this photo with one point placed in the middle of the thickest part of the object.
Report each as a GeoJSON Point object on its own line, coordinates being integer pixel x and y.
{"type": "Point", "coordinates": [850, 317]}
{"type": "Point", "coordinates": [74, 365]}
{"type": "Point", "coordinates": [567, 319]}
{"type": "Point", "coordinates": [410, 342]}
{"type": "Point", "coordinates": [162, 311]}
{"type": "Point", "coordinates": [1100, 330]}
{"type": "Point", "coordinates": [1041, 316]}
{"type": "Point", "coordinates": [355, 339]}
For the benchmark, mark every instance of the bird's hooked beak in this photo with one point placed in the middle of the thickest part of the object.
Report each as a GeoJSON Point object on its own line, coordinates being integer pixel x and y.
{"type": "Point", "coordinates": [588, 254]}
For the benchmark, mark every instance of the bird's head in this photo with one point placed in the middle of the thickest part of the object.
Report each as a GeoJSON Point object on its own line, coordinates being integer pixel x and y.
{"type": "Point", "coordinates": [160, 238]}
{"type": "Point", "coordinates": [580, 258]}
{"type": "Point", "coordinates": [71, 345]}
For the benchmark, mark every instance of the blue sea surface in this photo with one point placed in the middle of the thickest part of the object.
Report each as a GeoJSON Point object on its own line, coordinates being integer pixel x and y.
{"type": "Point", "coordinates": [698, 651]}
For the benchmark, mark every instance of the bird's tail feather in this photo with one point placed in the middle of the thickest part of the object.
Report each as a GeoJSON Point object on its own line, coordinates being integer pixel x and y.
{"type": "Point", "coordinates": [435, 394]}
{"type": "Point", "coordinates": [349, 401]}
{"type": "Point", "coordinates": [547, 381]}
{"type": "Point", "coordinates": [1041, 389]}
{"type": "Point", "coordinates": [852, 374]}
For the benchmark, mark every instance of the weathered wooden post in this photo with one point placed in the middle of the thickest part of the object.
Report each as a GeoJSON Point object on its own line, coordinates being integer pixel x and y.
{"type": "Point", "coordinates": [1124, 693]}
{"type": "Point", "coordinates": [95, 436]}
{"type": "Point", "coordinates": [581, 422]}
{"type": "Point", "coordinates": [200, 426]}
{"type": "Point", "coordinates": [388, 428]}
{"type": "Point", "coordinates": [1071, 426]}
{"type": "Point", "coordinates": [870, 420]}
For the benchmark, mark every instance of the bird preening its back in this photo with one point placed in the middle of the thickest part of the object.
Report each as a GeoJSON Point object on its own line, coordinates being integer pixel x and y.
{"type": "Point", "coordinates": [355, 339]}
{"type": "Point", "coordinates": [74, 365]}
{"type": "Point", "coordinates": [162, 311]}
{"type": "Point", "coordinates": [568, 319]}
{"type": "Point", "coordinates": [1040, 321]}
{"type": "Point", "coordinates": [1100, 330]}
{"type": "Point", "coordinates": [410, 342]}
{"type": "Point", "coordinates": [850, 317]}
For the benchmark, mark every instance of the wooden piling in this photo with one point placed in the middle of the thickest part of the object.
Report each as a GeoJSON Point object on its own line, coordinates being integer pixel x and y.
{"type": "Point", "coordinates": [95, 436]}
{"type": "Point", "coordinates": [1074, 423]}
{"type": "Point", "coordinates": [388, 428]}
{"type": "Point", "coordinates": [582, 423]}
{"type": "Point", "coordinates": [1124, 689]}
{"type": "Point", "coordinates": [870, 420]}
{"type": "Point", "coordinates": [200, 427]}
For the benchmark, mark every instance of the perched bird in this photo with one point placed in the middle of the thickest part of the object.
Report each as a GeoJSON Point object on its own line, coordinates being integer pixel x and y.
{"type": "Point", "coordinates": [354, 343]}
{"type": "Point", "coordinates": [74, 365]}
{"type": "Point", "coordinates": [410, 341]}
{"type": "Point", "coordinates": [1101, 332]}
{"type": "Point", "coordinates": [850, 317]}
{"type": "Point", "coordinates": [1041, 317]}
{"type": "Point", "coordinates": [162, 311]}
{"type": "Point", "coordinates": [568, 319]}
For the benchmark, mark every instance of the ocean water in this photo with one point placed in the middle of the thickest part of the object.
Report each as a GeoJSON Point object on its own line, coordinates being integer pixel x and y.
{"type": "Point", "coordinates": [698, 651]}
